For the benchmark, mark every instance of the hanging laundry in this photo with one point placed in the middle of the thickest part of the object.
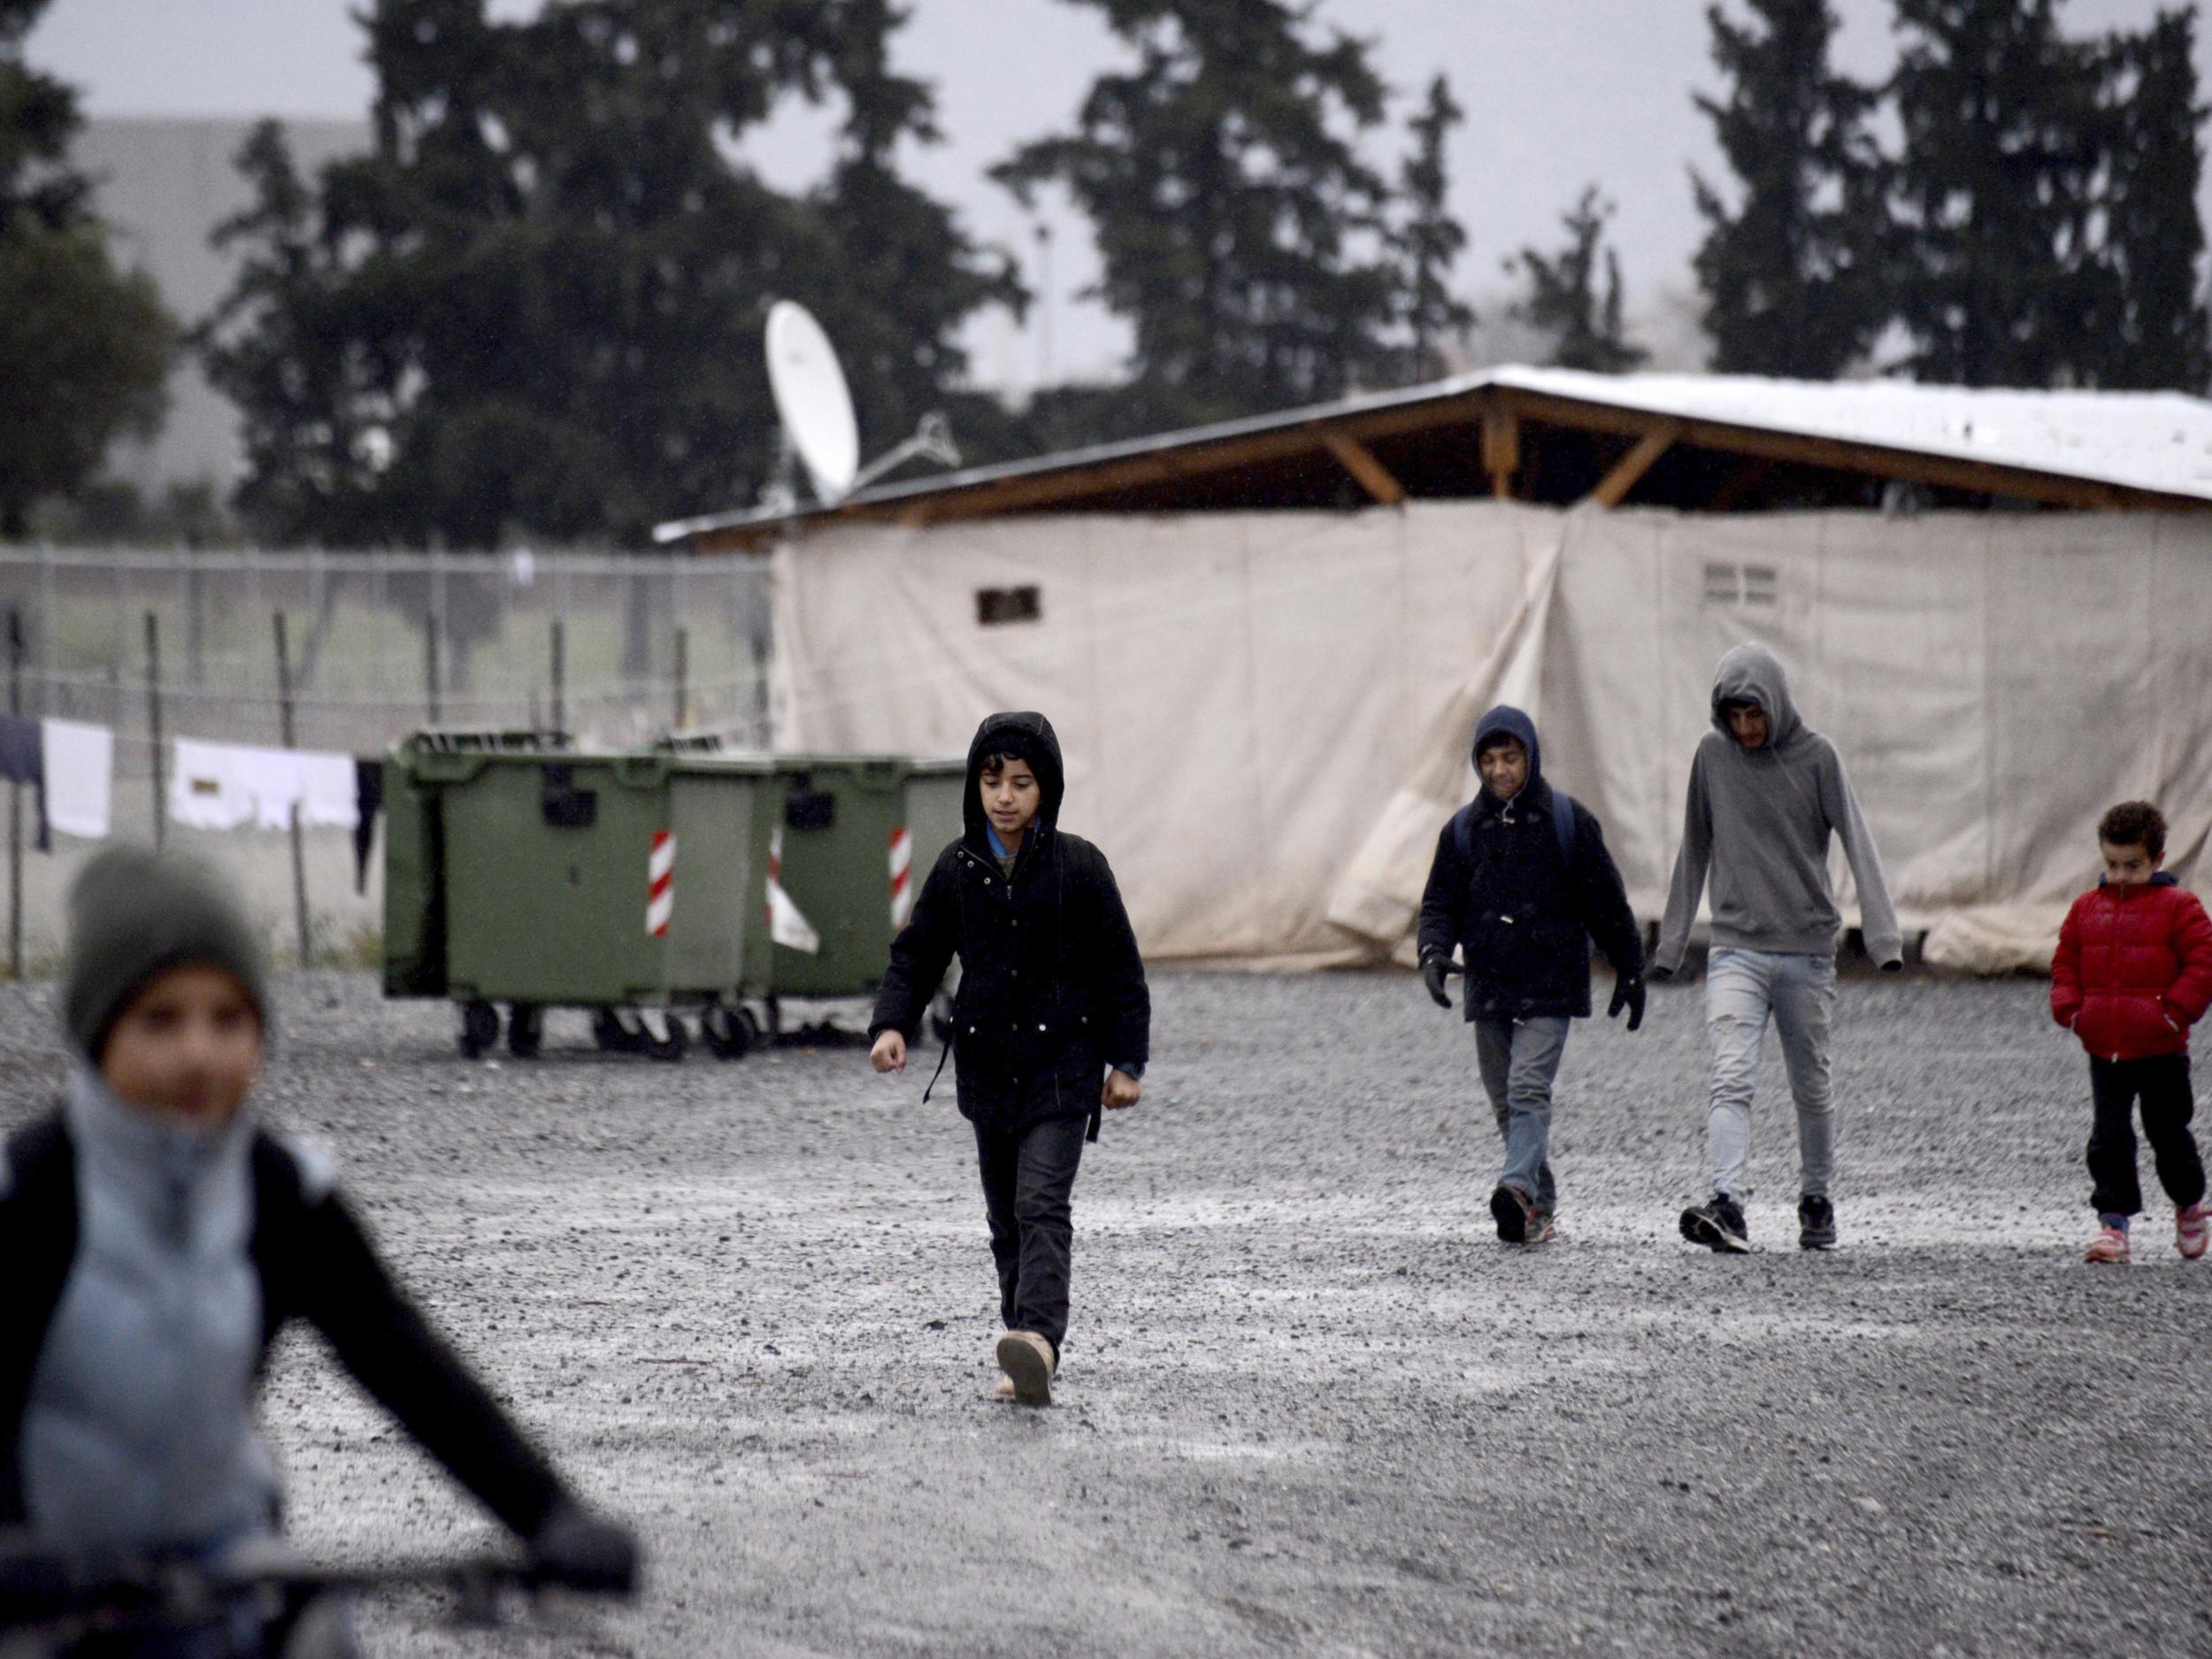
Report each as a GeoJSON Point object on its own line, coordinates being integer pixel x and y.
{"type": "Point", "coordinates": [368, 800]}
{"type": "Point", "coordinates": [329, 790]}
{"type": "Point", "coordinates": [23, 760]}
{"type": "Point", "coordinates": [208, 787]}
{"type": "Point", "coordinates": [231, 786]}
{"type": "Point", "coordinates": [79, 777]}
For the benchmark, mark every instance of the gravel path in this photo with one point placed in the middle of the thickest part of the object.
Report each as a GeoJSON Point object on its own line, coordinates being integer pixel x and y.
{"type": "Point", "coordinates": [1311, 1405]}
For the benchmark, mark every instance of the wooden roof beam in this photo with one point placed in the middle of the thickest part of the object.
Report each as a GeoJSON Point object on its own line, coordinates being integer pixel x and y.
{"type": "Point", "coordinates": [1630, 469]}
{"type": "Point", "coordinates": [1847, 456]}
{"type": "Point", "coordinates": [1357, 459]}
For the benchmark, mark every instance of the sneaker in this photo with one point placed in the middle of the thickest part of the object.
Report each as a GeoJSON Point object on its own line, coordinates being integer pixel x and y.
{"type": "Point", "coordinates": [1540, 1229]}
{"type": "Point", "coordinates": [1716, 1223]}
{"type": "Point", "coordinates": [1028, 1361]}
{"type": "Point", "coordinates": [1815, 1222]}
{"type": "Point", "coordinates": [1511, 1211]}
{"type": "Point", "coordinates": [2193, 1230]}
{"type": "Point", "coordinates": [2110, 1246]}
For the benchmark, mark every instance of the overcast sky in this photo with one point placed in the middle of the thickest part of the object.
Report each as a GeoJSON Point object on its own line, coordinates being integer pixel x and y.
{"type": "Point", "coordinates": [1559, 94]}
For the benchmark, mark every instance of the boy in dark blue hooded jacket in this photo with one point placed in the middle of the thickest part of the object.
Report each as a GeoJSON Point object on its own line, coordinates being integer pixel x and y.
{"type": "Point", "coordinates": [1051, 1024]}
{"type": "Point", "coordinates": [1521, 884]}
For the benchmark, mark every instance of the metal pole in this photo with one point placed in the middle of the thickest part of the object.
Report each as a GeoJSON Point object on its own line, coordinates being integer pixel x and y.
{"type": "Point", "coordinates": [430, 661]}
{"type": "Point", "coordinates": [153, 724]}
{"type": "Point", "coordinates": [15, 802]}
{"type": "Point", "coordinates": [560, 675]}
{"type": "Point", "coordinates": [299, 847]}
{"type": "Point", "coordinates": [683, 674]}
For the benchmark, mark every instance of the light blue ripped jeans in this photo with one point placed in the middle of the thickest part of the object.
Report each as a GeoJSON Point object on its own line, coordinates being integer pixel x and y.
{"type": "Point", "coordinates": [1743, 989]}
{"type": "Point", "coordinates": [1518, 1059]}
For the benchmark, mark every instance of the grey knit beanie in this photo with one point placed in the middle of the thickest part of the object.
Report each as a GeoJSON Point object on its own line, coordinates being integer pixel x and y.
{"type": "Point", "coordinates": [134, 912]}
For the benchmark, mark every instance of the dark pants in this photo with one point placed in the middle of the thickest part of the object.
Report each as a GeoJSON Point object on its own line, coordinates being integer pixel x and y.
{"type": "Point", "coordinates": [2163, 1083]}
{"type": "Point", "coordinates": [1027, 1178]}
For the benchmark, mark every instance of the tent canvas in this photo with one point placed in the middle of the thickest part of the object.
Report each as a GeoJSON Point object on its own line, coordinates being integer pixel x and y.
{"type": "Point", "coordinates": [1262, 712]}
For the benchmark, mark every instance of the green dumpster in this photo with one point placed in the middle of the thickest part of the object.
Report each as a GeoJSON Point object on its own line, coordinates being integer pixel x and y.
{"type": "Point", "coordinates": [847, 841]}
{"type": "Point", "coordinates": [547, 877]}
{"type": "Point", "coordinates": [525, 872]}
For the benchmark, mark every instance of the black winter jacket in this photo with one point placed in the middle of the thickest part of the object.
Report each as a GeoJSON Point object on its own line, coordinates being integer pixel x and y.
{"type": "Point", "coordinates": [315, 1262]}
{"type": "Point", "coordinates": [1521, 916]}
{"type": "Point", "coordinates": [1052, 989]}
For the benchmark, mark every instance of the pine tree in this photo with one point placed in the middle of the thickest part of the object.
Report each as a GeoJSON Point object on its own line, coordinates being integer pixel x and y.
{"type": "Point", "coordinates": [84, 349]}
{"type": "Point", "coordinates": [1430, 239]}
{"type": "Point", "coordinates": [535, 307]}
{"type": "Point", "coordinates": [1240, 231]}
{"type": "Point", "coordinates": [1996, 189]}
{"type": "Point", "coordinates": [2148, 327]}
{"type": "Point", "coordinates": [1564, 300]}
{"type": "Point", "coordinates": [902, 276]}
{"type": "Point", "coordinates": [1791, 277]}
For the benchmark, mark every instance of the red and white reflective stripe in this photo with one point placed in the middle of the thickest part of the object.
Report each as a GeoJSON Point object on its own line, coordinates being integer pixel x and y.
{"type": "Point", "coordinates": [901, 876]}
{"type": "Point", "coordinates": [660, 884]}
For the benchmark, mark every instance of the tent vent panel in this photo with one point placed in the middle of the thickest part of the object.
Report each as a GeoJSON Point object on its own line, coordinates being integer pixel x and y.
{"type": "Point", "coordinates": [995, 606]}
{"type": "Point", "coordinates": [1730, 584]}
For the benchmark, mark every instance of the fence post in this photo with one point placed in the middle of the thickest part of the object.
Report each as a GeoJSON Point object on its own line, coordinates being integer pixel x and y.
{"type": "Point", "coordinates": [560, 676]}
{"type": "Point", "coordinates": [15, 802]}
{"type": "Point", "coordinates": [153, 724]}
{"type": "Point", "coordinates": [430, 661]}
{"type": "Point", "coordinates": [683, 675]}
{"type": "Point", "coordinates": [299, 849]}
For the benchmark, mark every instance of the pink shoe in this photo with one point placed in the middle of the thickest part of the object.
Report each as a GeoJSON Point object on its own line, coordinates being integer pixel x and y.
{"type": "Point", "coordinates": [2110, 1245]}
{"type": "Point", "coordinates": [2193, 1230]}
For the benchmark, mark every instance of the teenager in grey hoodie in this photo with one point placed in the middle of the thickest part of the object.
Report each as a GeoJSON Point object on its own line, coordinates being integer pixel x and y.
{"type": "Point", "coordinates": [1767, 793]}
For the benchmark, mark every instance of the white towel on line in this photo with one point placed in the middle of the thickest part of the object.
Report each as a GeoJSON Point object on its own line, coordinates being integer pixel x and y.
{"type": "Point", "coordinates": [79, 777]}
{"type": "Point", "coordinates": [231, 786]}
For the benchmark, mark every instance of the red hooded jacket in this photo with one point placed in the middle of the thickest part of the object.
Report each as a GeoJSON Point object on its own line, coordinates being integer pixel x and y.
{"type": "Point", "coordinates": [2133, 970]}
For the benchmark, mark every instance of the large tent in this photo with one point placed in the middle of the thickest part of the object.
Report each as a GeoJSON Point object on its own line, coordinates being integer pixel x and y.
{"type": "Point", "coordinates": [1994, 602]}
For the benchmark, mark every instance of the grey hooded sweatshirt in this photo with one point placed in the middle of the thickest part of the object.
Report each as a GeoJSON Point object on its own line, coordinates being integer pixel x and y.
{"type": "Point", "coordinates": [1759, 821]}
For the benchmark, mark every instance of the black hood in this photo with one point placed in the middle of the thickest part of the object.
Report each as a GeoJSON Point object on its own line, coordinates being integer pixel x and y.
{"type": "Point", "coordinates": [1510, 722]}
{"type": "Point", "coordinates": [1029, 735]}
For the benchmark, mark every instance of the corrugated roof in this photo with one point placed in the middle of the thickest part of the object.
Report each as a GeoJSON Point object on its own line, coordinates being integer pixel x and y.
{"type": "Point", "coordinates": [2154, 441]}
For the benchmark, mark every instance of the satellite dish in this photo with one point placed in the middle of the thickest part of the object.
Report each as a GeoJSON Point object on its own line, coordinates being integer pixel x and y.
{"type": "Point", "coordinates": [812, 399]}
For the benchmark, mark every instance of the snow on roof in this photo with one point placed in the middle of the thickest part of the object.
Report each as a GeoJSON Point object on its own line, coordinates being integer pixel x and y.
{"type": "Point", "coordinates": [2160, 441]}
{"type": "Point", "coordinates": [2155, 441]}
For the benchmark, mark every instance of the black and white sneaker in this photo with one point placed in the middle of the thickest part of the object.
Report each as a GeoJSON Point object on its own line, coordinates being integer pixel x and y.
{"type": "Point", "coordinates": [1717, 1223]}
{"type": "Point", "coordinates": [1816, 1224]}
{"type": "Point", "coordinates": [1511, 1210]}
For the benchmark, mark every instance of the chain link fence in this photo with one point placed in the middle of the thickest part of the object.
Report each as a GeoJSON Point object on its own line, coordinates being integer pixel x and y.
{"type": "Point", "coordinates": [162, 645]}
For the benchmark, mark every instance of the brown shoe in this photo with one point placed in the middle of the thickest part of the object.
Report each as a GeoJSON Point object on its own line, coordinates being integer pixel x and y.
{"type": "Point", "coordinates": [1003, 1391]}
{"type": "Point", "coordinates": [1028, 1361]}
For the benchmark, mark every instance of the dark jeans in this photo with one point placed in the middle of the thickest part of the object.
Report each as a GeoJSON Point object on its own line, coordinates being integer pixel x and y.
{"type": "Point", "coordinates": [2163, 1083]}
{"type": "Point", "coordinates": [1027, 1178]}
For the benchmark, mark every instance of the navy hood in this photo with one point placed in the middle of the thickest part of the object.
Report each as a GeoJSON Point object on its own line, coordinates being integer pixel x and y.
{"type": "Point", "coordinates": [1031, 736]}
{"type": "Point", "coordinates": [1510, 722]}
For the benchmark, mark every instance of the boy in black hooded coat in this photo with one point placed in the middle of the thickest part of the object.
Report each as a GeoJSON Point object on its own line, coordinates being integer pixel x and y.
{"type": "Point", "coordinates": [1051, 1023]}
{"type": "Point", "coordinates": [1521, 884]}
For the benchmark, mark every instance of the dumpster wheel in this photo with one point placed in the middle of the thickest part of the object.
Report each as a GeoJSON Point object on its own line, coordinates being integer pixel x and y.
{"type": "Point", "coordinates": [672, 1047]}
{"type": "Point", "coordinates": [525, 1030]}
{"type": "Point", "coordinates": [729, 1032]}
{"type": "Point", "coordinates": [617, 1035]}
{"type": "Point", "coordinates": [479, 1028]}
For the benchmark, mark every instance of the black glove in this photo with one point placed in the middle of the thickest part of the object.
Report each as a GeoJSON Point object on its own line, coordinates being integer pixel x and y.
{"type": "Point", "coordinates": [1628, 993]}
{"type": "Point", "coordinates": [578, 1550]}
{"type": "Point", "coordinates": [1432, 976]}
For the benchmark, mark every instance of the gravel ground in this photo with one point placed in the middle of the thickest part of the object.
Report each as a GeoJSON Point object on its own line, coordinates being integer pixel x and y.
{"type": "Point", "coordinates": [1311, 1405]}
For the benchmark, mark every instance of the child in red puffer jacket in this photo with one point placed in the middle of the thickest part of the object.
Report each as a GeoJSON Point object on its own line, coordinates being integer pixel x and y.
{"type": "Point", "coordinates": [2133, 973]}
